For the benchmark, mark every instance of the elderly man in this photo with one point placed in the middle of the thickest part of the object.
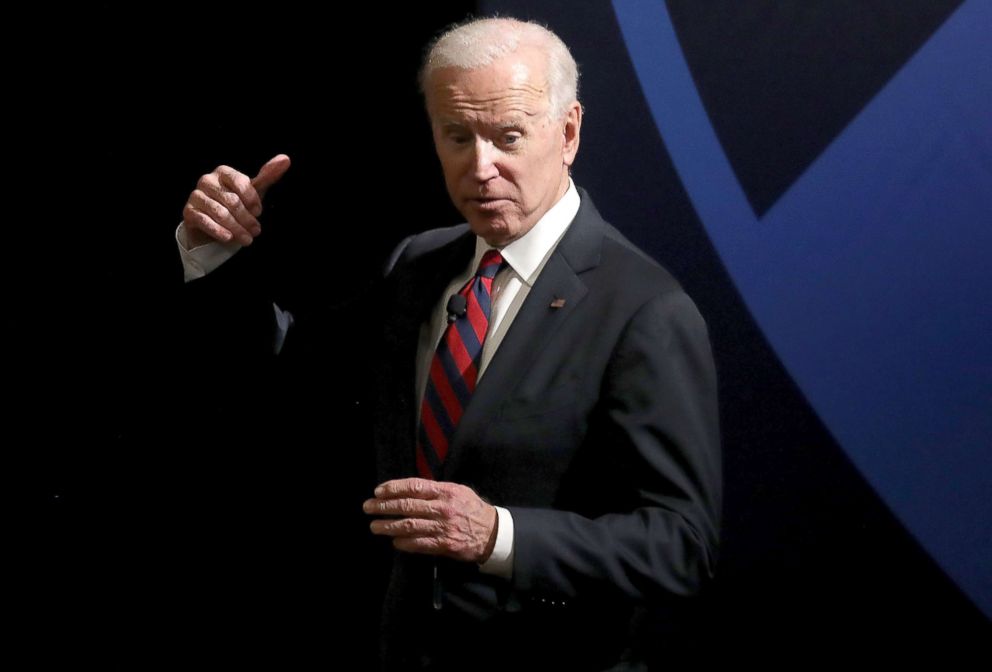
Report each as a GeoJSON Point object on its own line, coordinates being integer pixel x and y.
{"type": "Point", "coordinates": [546, 428]}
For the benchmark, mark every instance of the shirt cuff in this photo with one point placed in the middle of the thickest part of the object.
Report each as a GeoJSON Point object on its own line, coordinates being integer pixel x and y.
{"type": "Point", "coordinates": [203, 259]}
{"type": "Point", "coordinates": [500, 563]}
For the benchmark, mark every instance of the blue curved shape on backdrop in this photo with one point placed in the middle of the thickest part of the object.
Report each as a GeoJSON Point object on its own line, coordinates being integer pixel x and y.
{"type": "Point", "coordinates": [871, 276]}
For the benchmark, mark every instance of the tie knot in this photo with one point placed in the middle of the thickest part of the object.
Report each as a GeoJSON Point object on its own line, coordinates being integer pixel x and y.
{"type": "Point", "coordinates": [489, 266]}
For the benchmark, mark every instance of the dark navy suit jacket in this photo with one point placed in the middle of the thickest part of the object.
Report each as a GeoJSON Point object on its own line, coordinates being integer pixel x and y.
{"type": "Point", "coordinates": [596, 425]}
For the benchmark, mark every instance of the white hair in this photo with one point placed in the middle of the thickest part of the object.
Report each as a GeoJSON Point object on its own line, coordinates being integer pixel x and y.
{"type": "Point", "coordinates": [478, 43]}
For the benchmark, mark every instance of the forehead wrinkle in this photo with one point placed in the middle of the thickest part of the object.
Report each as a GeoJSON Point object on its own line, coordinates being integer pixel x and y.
{"type": "Point", "coordinates": [522, 103]}
{"type": "Point", "coordinates": [505, 123]}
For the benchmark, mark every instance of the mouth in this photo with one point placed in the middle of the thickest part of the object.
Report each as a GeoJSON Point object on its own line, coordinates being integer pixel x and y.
{"type": "Point", "coordinates": [487, 201]}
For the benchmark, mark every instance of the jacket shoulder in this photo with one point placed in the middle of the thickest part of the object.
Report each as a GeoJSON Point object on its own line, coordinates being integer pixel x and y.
{"type": "Point", "coordinates": [419, 244]}
{"type": "Point", "coordinates": [630, 264]}
{"type": "Point", "coordinates": [597, 244]}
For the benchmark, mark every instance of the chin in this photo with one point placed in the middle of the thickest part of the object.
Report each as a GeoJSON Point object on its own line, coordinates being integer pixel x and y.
{"type": "Point", "coordinates": [486, 230]}
{"type": "Point", "coordinates": [495, 236]}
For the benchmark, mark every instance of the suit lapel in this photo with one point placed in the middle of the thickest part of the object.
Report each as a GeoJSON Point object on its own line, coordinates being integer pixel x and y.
{"type": "Point", "coordinates": [419, 288]}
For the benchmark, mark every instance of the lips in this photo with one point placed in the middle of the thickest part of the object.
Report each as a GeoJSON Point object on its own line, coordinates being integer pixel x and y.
{"type": "Point", "coordinates": [490, 205]}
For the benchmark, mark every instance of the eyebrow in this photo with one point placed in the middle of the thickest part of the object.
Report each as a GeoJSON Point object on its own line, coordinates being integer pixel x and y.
{"type": "Point", "coordinates": [451, 125]}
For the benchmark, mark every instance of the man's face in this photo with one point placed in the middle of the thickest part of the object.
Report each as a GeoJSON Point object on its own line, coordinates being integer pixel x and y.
{"type": "Point", "coordinates": [505, 160]}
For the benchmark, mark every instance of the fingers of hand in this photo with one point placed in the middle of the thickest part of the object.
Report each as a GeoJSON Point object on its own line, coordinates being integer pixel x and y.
{"type": "Point", "coordinates": [216, 211]}
{"type": "Point", "coordinates": [435, 517]}
{"type": "Point", "coordinates": [419, 488]}
{"type": "Point", "coordinates": [226, 203]}
{"type": "Point", "coordinates": [239, 184]}
{"type": "Point", "coordinates": [194, 221]}
{"type": "Point", "coordinates": [434, 537]}
{"type": "Point", "coordinates": [226, 198]}
{"type": "Point", "coordinates": [408, 527]}
{"type": "Point", "coordinates": [233, 190]}
{"type": "Point", "coordinates": [238, 210]}
{"type": "Point", "coordinates": [418, 508]}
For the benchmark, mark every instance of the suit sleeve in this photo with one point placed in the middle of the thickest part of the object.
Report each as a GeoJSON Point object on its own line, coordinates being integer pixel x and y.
{"type": "Point", "coordinates": [658, 407]}
{"type": "Point", "coordinates": [230, 309]}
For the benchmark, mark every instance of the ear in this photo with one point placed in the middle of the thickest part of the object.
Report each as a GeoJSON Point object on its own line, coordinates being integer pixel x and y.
{"type": "Point", "coordinates": [570, 133]}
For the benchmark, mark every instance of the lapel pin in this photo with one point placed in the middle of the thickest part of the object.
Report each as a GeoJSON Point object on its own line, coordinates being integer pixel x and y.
{"type": "Point", "coordinates": [558, 303]}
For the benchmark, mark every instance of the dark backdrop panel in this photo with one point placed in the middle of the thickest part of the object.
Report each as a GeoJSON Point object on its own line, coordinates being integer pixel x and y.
{"type": "Point", "coordinates": [815, 563]}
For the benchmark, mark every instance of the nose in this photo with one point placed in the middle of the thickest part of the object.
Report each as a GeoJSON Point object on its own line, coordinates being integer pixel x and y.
{"type": "Point", "coordinates": [484, 161]}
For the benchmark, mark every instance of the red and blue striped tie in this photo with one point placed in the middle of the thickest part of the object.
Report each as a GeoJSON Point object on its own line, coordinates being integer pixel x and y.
{"type": "Point", "coordinates": [455, 369]}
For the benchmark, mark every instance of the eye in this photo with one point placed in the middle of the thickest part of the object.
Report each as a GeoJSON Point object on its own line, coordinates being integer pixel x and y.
{"type": "Point", "coordinates": [456, 134]}
{"type": "Point", "coordinates": [511, 138]}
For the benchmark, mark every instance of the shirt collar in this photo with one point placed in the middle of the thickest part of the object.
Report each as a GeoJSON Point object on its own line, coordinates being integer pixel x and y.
{"type": "Point", "coordinates": [526, 254]}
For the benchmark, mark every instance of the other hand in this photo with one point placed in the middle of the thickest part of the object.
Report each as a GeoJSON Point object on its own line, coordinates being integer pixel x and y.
{"type": "Point", "coordinates": [226, 204]}
{"type": "Point", "coordinates": [434, 518]}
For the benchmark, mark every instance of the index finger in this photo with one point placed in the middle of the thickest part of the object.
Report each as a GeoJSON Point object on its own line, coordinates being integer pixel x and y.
{"type": "Point", "coordinates": [419, 488]}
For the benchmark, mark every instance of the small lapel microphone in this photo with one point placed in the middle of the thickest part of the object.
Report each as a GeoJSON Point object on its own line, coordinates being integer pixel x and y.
{"type": "Point", "coordinates": [457, 307]}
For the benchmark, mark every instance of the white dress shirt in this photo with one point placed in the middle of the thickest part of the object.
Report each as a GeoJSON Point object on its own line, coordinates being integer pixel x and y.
{"type": "Point", "coordinates": [525, 259]}
{"type": "Point", "coordinates": [199, 261]}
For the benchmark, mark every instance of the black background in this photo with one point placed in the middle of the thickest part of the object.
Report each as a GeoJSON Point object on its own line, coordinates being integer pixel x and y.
{"type": "Point", "coordinates": [184, 499]}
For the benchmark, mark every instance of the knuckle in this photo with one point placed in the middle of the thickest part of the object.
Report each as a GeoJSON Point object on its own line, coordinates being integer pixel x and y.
{"type": "Point", "coordinates": [242, 183]}
{"type": "Point", "coordinates": [216, 209]}
{"type": "Point", "coordinates": [197, 219]}
{"type": "Point", "coordinates": [202, 221]}
{"type": "Point", "coordinates": [230, 200]}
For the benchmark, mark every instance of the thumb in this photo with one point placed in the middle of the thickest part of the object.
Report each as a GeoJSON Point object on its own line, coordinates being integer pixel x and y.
{"type": "Point", "coordinates": [270, 173]}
